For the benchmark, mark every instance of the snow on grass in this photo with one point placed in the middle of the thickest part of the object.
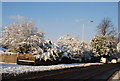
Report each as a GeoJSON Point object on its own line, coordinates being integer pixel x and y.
{"type": "Point", "coordinates": [18, 69]}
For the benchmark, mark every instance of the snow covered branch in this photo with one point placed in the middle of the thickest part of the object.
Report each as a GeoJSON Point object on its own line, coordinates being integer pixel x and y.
{"type": "Point", "coordinates": [22, 38]}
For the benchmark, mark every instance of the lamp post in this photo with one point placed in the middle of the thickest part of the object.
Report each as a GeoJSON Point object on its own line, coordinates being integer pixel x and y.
{"type": "Point", "coordinates": [83, 28]}
{"type": "Point", "coordinates": [83, 33]}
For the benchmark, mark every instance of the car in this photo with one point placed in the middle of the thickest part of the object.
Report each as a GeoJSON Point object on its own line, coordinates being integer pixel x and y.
{"type": "Point", "coordinates": [114, 61]}
{"type": "Point", "coordinates": [103, 60]}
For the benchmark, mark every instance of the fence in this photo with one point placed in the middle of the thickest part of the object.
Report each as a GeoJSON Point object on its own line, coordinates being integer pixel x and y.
{"type": "Point", "coordinates": [8, 58]}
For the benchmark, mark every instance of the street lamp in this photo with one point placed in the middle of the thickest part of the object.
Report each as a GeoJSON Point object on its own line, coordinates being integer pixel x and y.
{"type": "Point", "coordinates": [83, 28]}
{"type": "Point", "coordinates": [83, 33]}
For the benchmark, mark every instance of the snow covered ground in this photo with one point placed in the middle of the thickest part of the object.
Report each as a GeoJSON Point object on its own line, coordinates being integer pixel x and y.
{"type": "Point", "coordinates": [18, 69]}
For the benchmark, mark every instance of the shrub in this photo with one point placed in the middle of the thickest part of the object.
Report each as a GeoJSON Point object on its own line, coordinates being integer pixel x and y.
{"type": "Point", "coordinates": [101, 47]}
{"type": "Point", "coordinates": [118, 47]}
{"type": "Point", "coordinates": [22, 38]}
{"type": "Point", "coordinates": [73, 47]}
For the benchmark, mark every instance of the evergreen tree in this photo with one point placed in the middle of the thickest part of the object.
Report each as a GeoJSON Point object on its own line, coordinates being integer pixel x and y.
{"type": "Point", "coordinates": [102, 47]}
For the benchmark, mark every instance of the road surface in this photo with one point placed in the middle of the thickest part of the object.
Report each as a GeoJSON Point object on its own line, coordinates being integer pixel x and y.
{"type": "Point", "coordinates": [90, 73]}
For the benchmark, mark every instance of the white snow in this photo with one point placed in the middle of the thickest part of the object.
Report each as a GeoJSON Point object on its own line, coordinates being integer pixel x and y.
{"type": "Point", "coordinates": [18, 69]}
{"type": "Point", "coordinates": [65, 54]}
{"type": "Point", "coordinates": [2, 52]}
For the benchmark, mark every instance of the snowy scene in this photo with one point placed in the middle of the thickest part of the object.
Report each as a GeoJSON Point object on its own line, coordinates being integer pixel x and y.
{"type": "Point", "coordinates": [17, 69]}
{"type": "Point", "coordinates": [54, 40]}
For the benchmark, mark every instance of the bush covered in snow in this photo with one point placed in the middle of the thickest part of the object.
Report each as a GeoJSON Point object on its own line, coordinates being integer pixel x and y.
{"type": "Point", "coordinates": [73, 48]}
{"type": "Point", "coordinates": [24, 38]}
{"type": "Point", "coordinates": [118, 47]}
{"type": "Point", "coordinates": [50, 51]}
{"type": "Point", "coordinates": [102, 47]}
{"type": "Point", "coordinates": [70, 45]}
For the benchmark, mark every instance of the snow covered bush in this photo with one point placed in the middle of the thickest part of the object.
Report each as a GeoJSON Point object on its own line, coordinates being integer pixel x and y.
{"type": "Point", "coordinates": [101, 47]}
{"type": "Point", "coordinates": [70, 45]}
{"type": "Point", "coordinates": [118, 47]}
{"type": "Point", "coordinates": [50, 51]}
{"type": "Point", "coordinates": [73, 48]}
{"type": "Point", "coordinates": [22, 38]}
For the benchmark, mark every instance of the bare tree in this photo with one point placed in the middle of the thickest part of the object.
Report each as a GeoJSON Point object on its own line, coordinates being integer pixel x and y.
{"type": "Point", "coordinates": [106, 28]}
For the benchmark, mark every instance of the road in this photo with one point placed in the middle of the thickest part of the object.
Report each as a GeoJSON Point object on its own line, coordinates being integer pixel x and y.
{"type": "Point", "coordinates": [90, 73]}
